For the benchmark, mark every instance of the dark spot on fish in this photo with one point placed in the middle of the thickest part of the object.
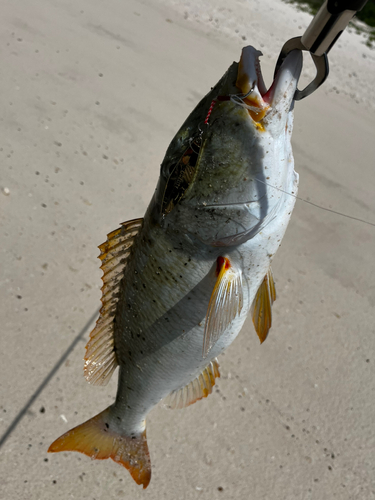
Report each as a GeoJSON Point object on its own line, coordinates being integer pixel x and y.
{"type": "Point", "coordinates": [133, 437]}
{"type": "Point", "coordinates": [106, 425]}
{"type": "Point", "coordinates": [160, 268]}
{"type": "Point", "coordinates": [141, 352]}
{"type": "Point", "coordinates": [129, 407]}
{"type": "Point", "coordinates": [42, 409]}
{"type": "Point", "coordinates": [138, 335]}
{"type": "Point", "coordinates": [114, 348]}
{"type": "Point", "coordinates": [153, 300]}
{"type": "Point", "coordinates": [143, 339]}
{"type": "Point", "coordinates": [130, 389]}
{"type": "Point", "coordinates": [135, 271]}
{"type": "Point", "coordinates": [220, 488]}
{"type": "Point", "coordinates": [119, 418]}
{"type": "Point", "coordinates": [130, 353]}
{"type": "Point", "coordinates": [144, 286]}
{"type": "Point", "coordinates": [46, 459]}
{"type": "Point", "coordinates": [180, 276]}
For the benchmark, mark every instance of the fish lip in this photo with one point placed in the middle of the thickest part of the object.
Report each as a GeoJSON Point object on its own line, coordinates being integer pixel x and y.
{"type": "Point", "coordinates": [285, 82]}
{"type": "Point", "coordinates": [255, 96]}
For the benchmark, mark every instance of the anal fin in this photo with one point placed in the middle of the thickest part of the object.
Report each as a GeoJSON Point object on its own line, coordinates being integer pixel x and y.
{"type": "Point", "coordinates": [262, 306]}
{"type": "Point", "coordinates": [225, 304]}
{"type": "Point", "coordinates": [195, 390]}
{"type": "Point", "coordinates": [100, 358]}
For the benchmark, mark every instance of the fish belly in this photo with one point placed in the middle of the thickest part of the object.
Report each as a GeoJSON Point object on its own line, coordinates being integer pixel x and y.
{"type": "Point", "coordinates": [161, 315]}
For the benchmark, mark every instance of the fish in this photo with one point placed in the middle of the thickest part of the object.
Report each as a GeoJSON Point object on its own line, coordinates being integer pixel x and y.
{"type": "Point", "coordinates": [179, 283]}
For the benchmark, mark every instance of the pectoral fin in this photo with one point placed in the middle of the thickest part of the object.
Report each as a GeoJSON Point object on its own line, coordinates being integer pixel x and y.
{"type": "Point", "coordinates": [225, 303]}
{"type": "Point", "coordinates": [262, 306]}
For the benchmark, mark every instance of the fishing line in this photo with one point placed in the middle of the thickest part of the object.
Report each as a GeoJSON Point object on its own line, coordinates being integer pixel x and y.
{"type": "Point", "coordinates": [239, 100]}
{"type": "Point", "coordinates": [316, 205]}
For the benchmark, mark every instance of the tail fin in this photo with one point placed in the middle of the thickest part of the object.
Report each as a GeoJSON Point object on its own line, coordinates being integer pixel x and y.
{"type": "Point", "coordinates": [95, 439]}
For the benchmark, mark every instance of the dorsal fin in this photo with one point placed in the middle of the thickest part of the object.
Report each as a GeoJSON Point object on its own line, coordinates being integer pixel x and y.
{"type": "Point", "coordinates": [225, 303]}
{"type": "Point", "coordinates": [262, 306]}
{"type": "Point", "coordinates": [100, 358]}
{"type": "Point", "coordinates": [195, 390]}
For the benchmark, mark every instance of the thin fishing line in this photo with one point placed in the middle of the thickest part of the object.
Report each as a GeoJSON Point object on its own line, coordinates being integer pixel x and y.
{"type": "Point", "coordinates": [316, 205]}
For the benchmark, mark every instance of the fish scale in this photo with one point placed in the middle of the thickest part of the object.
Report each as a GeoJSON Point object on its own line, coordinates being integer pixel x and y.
{"type": "Point", "coordinates": [179, 284]}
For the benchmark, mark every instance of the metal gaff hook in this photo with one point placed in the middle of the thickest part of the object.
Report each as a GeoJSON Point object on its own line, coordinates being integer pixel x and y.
{"type": "Point", "coordinates": [321, 64]}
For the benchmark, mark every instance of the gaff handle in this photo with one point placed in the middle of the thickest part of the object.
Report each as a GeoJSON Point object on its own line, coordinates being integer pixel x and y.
{"type": "Point", "coordinates": [328, 24]}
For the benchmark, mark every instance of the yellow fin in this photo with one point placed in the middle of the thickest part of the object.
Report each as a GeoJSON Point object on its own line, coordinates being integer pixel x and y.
{"type": "Point", "coordinates": [225, 303]}
{"type": "Point", "coordinates": [195, 390]}
{"type": "Point", "coordinates": [262, 306]}
{"type": "Point", "coordinates": [100, 358]}
{"type": "Point", "coordinates": [95, 439]}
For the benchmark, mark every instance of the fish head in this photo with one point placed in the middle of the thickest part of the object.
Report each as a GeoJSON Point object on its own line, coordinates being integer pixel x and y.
{"type": "Point", "coordinates": [224, 173]}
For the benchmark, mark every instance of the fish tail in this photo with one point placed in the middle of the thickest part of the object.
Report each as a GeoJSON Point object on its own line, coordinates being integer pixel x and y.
{"type": "Point", "coordinates": [98, 439]}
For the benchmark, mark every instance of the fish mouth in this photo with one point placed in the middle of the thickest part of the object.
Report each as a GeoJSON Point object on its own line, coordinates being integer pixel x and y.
{"type": "Point", "coordinates": [257, 99]}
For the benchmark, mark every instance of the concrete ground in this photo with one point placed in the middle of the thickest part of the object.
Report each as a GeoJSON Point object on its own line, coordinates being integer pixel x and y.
{"type": "Point", "coordinates": [91, 95]}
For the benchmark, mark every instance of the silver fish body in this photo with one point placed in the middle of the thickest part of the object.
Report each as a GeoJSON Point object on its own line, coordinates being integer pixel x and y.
{"type": "Point", "coordinates": [197, 263]}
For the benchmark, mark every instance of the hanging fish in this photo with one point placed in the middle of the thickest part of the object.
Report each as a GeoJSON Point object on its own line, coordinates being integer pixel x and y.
{"type": "Point", "coordinates": [179, 283]}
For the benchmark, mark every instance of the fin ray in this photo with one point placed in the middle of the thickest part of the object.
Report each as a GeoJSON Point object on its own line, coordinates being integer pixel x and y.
{"type": "Point", "coordinates": [225, 304]}
{"type": "Point", "coordinates": [198, 388]}
{"type": "Point", "coordinates": [95, 439]}
{"type": "Point", "coordinates": [262, 306]}
{"type": "Point", "coordinates": [100, 358]}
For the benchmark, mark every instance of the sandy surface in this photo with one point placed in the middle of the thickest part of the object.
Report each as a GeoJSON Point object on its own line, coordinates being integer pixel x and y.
{"type": "Point", "coordinates": [91, 95]}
